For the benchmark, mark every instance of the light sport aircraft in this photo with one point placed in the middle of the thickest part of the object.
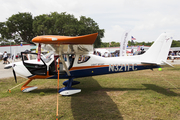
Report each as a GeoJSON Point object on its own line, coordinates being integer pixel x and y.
{"type": "Point", "coordinates": [77, 60]}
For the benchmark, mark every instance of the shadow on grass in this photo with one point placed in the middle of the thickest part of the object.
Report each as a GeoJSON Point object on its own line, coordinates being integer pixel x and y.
{"type": "Point", "coordinates": [94, 102]}
{"type": "Point", "coordinates": [161, 90]}
{"type": "Point", "coordinates": [88, 89]}
{"type": "Point", "coordinates": [153, 87]}
{"type": "Point", "coordinates": [45, 90]}
{"type": "Point", "coordinates": [90, 104]}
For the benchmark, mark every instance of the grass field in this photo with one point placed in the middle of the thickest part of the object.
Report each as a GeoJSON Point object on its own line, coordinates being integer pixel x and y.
{"type": "Point", "coordinates": [138, 95]}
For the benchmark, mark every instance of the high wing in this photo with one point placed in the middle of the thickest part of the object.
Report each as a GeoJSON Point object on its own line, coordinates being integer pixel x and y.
{"type": "Point", "coordinates": [67, 45]}
{"type": "Point", "coordinates": [54, 39]}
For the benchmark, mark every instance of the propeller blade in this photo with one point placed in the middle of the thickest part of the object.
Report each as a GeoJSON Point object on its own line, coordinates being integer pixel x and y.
{"type": "Point", "coordinates": [14, 76]}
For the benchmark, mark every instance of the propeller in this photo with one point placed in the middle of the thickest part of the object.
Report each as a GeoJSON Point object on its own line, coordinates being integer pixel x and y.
{"type": "Point", "coordinates": [13, 65]}
{"type": "Point", "coordinates": [14, 75]}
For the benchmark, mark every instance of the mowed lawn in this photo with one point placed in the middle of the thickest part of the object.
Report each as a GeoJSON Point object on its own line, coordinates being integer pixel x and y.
{"type": "Point", "coordinates": [137, 95]}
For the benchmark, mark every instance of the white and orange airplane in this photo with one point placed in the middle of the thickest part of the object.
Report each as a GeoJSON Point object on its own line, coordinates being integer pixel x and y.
{"type": "Point", "coordinates": [77, 60]}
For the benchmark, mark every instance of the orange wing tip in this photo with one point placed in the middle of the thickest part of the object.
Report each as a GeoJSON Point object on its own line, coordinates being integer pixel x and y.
{"type": "Point", "coordinates": [52, 39]}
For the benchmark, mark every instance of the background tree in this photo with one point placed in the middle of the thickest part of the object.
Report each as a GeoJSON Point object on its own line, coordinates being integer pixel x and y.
{"type": "Point", "coordinates": [22, 27]}
{"type": "Point", "coordinates": [175, 43]}
{"type": "Point", "coordinates": [88, 25]}
{"type": "Point", "coordinates": [55, 24]}
{"type": "Point", "coordinates": [67, 25]}
{"type": "Point", "coordinates": [19, 27]}
{"type": "Point", "coordinates": [4, 36]}
{"type": "Point", "coordinates": [4, 31]}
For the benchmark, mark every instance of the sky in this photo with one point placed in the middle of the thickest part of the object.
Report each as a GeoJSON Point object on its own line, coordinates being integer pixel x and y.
{"type": "Point", "coordinates": [145, 20]}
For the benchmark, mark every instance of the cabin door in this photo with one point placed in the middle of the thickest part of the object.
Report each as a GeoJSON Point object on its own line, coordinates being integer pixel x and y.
{"type": "Point", "coordinates": [31, 63]}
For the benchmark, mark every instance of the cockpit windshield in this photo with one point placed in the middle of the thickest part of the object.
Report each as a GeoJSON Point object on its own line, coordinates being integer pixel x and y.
{"type": "Point", "coordinates": [33, 56]}
{"type": "Point", "coordinates": [47, 57]}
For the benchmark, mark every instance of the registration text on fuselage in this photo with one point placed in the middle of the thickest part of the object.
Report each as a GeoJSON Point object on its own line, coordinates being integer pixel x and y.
{"type": "Point", "coordinates": [122, 67]}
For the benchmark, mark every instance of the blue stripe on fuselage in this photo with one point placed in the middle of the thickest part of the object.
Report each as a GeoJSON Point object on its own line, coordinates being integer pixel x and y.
{"type": "Point", "coordinates": [104, 70]}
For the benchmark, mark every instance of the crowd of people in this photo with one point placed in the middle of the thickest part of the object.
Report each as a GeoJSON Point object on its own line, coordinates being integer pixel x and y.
{"type": "Point", "coordinates": [5, 57]}
{"type": "Point", "coordinates": [117, 53]}
{"type": "Point", "coordinates": [174, 55]}
{"type": "Point", "coordinates": [106, 54]}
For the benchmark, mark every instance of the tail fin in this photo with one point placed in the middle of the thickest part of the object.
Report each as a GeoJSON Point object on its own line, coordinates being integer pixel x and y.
{"type": "Point", "coordinates": [158, 52]}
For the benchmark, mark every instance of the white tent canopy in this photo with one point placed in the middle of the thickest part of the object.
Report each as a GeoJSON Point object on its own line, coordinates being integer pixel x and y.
{"type": "Point", "coordinates": [102, 51]}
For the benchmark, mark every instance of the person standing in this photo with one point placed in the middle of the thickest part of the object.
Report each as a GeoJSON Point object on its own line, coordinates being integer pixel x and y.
{"type": "Point", "coordinates": [173, 55]}
{"type": "Point", "coordinates": [5, 58]}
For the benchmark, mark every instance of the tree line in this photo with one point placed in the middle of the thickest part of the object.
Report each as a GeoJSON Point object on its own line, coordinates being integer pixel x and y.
{"type": "Point", "coordinates": [117, 44]}
{"type": "Point", "coordinates": [23, 27]}
{"type": "Point", "coordinates": [175, 43]}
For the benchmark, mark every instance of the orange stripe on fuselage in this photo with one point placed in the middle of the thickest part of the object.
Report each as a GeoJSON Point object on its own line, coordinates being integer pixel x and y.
{"type": "Point", "coordinates": [87, 67]}
{"type": "Point", "coordinates": [41, 76]}
{"type": "Point", "coordinates": [99, 66]}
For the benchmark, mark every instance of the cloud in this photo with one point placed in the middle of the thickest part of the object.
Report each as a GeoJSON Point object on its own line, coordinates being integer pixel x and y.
{"type": "Point", "coordinates": [113, 34]}
{"type": "Point", "coordinates": [146, 19]}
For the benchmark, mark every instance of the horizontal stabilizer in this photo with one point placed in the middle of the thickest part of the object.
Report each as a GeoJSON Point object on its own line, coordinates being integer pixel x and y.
{"type": "Point", "coordinates": [154, 63]}
{"type": "Point", "coordinates": [167, 63]}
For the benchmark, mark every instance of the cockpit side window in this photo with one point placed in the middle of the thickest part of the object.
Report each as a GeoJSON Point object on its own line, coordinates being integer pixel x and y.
{"type": "Point", "coordinates": [83, 59]}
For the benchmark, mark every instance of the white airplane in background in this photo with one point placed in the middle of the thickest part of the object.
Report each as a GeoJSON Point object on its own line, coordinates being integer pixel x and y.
{"type": "Point", "coordinates": [80, 61]}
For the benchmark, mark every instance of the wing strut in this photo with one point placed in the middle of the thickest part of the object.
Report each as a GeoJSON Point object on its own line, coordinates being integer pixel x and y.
{"type": "Point", "coordinates": [39, 52]}
{"type": "Point", "coordinates": [65, 66]}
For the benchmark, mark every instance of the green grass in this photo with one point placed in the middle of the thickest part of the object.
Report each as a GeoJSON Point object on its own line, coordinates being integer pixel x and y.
{"type": "Point", "coordinates": [138, 95]}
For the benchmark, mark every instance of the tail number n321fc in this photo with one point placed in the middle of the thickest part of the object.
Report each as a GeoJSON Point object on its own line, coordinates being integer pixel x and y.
{"type": "Point", "coordinates": [122, 67]}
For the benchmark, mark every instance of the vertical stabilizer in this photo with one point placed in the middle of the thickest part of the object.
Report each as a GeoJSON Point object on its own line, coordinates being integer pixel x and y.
{"type": "Point", "coordinates": [158, 52]}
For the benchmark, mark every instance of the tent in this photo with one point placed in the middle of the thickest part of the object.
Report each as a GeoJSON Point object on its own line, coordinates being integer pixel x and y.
{"type": "Point", "coordinates": [33, 48]}
{"type": "Point", "coordinates": [102, 51]}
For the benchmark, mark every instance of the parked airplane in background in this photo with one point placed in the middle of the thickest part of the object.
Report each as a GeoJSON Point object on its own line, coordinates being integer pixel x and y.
{"type": "Point", "coordinates": [77, 60]}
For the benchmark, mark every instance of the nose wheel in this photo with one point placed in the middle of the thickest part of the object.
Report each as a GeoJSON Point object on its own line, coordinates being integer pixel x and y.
{"type": "Point", "coordinates": [26, 88]}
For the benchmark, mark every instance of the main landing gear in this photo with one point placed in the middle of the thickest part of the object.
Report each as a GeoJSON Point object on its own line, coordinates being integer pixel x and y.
{"type": "Point", "coordinates": [68, 90]}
